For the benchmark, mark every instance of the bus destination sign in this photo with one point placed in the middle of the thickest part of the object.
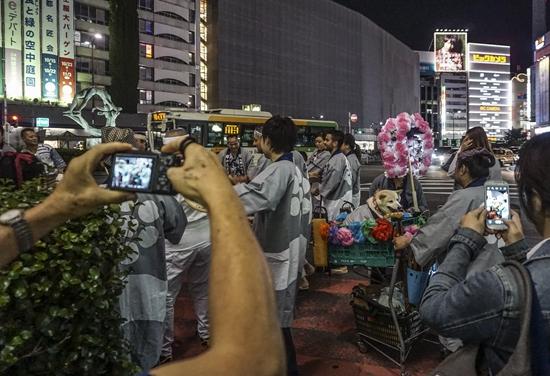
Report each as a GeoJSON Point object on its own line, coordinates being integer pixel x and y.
{"type": "Point", "coordinates": [158, 116]}
{"type": "Point", "coordinates": [232, 130]}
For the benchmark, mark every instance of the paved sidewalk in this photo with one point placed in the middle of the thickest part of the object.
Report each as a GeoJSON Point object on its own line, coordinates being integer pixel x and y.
{"type": "Point", "coordinates": [324, 334]}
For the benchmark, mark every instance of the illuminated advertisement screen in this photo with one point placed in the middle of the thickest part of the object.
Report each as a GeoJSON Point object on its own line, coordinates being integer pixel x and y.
{"type": "Point", "coordinates": [450, 51]}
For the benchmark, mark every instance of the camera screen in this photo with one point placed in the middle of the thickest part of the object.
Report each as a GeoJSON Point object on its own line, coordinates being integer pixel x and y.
{"type": "Point", "coordinates": [497, 204]}
{"type": "Point", "coordinates": [132, 173]}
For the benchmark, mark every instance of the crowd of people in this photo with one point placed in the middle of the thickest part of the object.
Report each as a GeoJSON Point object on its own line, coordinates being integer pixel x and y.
{"type": "Point", "coordinates": [243, 279]}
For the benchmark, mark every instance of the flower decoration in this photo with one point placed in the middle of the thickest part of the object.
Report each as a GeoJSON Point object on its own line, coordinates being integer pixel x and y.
{"type": "Point", "coordinates": [333, 234]}
{"type": "Point", "coordinates": [366, 228]}
{"type": "Point", "coordinates": [345, 237]}
{"type": "Point", "coordinates": [411, 230]}
{"type": "Point", "coordinates": [406, 137]}
{"type": "Point", "coordinates": [356, 229]}
{"type": "Point", "coordinates": [324, 229]}
{"type": "Point", "coordinates": [383, 231]}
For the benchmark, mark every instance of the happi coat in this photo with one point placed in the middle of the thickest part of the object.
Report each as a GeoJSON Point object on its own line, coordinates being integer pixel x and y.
{"type": "Point", "coordinates": [147, 223]}
{"type": "Point", "coordinates": [277, 198]}
{"type": "Point", "coordinates": [355, 166]}
{"type": "Point", "coordinates": [336, 184]}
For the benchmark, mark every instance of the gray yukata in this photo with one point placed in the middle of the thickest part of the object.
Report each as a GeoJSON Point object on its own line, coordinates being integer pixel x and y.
{"type": "Point", "coordinates": [277, 198]}
{"type": "Point", "coordinates": [336, 184]}
{"type": "Point", "coordinates": [246, 158]}
{"type": "Point", "coordinates": [431, 241]}
{"type": "Point", "coordinates": [355, 166]}
{"type": "Point", "coordinates": [257, 165]}
{"type": "Point", "coordinates": [315, 164]}
{"type": "Point", "coordinates": [143, 300]}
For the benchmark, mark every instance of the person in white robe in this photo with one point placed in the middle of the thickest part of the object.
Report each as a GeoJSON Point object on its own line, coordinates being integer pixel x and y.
{"type": "Point", "coordinates": [353, 154]}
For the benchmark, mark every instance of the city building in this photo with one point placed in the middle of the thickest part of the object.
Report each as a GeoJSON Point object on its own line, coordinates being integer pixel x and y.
{"type": "Point", "coordinates": [453, 107]}
{"type": "Point", "coordinates": [308, 58]}
{"type": "Point", "coordinates": [55, 48]}
{"type": "Point", "coordinates": [168, 71]}
{"type": "Point", "coordinates": [429, 91]}
{"type": "Point", "coordinates": [489, 89]}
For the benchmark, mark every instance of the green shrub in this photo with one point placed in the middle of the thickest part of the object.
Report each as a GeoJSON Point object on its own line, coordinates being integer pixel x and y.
{"type": "Point", "coordinates": [59, 302]}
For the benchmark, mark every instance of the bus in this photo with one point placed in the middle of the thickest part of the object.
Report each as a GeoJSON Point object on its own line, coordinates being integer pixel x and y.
{"type": "Point", "coordinates": [211, 128]}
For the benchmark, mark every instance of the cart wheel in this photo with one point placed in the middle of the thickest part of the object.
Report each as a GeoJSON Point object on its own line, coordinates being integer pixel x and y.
{"type": "Point", "coordinates": [363, 349]}
{"type": "Point", "coordinates": [405, 373]}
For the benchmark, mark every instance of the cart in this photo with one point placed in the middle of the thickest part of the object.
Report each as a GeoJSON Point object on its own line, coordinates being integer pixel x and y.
{"type": "Point", "coordinates": [378, 327]}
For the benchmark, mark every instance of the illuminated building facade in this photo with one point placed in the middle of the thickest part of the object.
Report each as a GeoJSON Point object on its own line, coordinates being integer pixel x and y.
{"type": "Point", "coordinates": [489, 89]}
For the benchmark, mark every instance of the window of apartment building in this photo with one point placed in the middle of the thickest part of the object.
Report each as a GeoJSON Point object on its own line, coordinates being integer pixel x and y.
{"type": "Point", "coordinates": [191, 58]}
{"type": "Point", "coordinates": [191, 37]}
{"type": "Point", "coordinates": [192, 15]}
{"type": "Point", "coordinates": [83, 64]}
{"type": "Point", "coordinates": [171, 81]}
{"type": "Point", "coordinates": [88, 40]}
{"type": "Point", "coordinates": [146, 50]}
{"type": "Point", "coordinates": [90, 13]}
{"type": "Point", "coordinates": [171, 104]}
{"type": "Point", "coordinates": [171, 15]}
{"type": "Point", "coordinates": [145, 97]}
{"type": "Point", "coordinates": [171, 59]}
{"type": "Point", "coordinates": [146, 27]}
{"type": "Point", "coordinates": [146, 73]}
{"type": "Point", "coordinates": [192, 79]}
{"type": "Point", "coordinates": [146, 4]}
{"type": "Point", "coordinates": [171, 37]}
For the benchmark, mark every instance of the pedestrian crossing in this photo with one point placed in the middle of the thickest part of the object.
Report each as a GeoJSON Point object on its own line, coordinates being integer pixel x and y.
{"type": "Point", "coordinates": [442, 187]}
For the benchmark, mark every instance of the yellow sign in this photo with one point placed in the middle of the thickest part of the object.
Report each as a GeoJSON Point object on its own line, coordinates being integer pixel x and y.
{"type": "Point", "coordinates": [232, 130]}
{"type": "Point", "coordinates": [158, 116]}
{"type": "Point", "coordinates": [497, 59]}
{"type": "Point", "coordinates": [490, 108]}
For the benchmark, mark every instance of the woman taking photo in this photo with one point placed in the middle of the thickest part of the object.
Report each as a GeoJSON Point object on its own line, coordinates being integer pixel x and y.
{"type": "Point", "coordinates": [483, 308]}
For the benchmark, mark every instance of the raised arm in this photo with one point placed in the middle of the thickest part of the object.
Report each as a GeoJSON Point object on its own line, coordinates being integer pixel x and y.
{"type": "Point", "coordinates": [76, 195]}
{"type": "Point", "coordinates": [245, 333]}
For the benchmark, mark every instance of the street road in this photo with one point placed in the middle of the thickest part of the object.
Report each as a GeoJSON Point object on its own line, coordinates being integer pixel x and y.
{"type": "Point", "coordinates": [438, 186]}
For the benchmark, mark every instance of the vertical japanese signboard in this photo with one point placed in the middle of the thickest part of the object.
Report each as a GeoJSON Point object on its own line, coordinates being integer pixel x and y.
{"type": "Point", "coordinates": [49, 50]}
{"type": "Point", "coordinates": [12, 43]}
{"type": "Point", "coordinates": [2, 51]}
{"type": "Point", "coordinates": [31, 49]}
{"type": "Point", "coordinates": [67, 74]}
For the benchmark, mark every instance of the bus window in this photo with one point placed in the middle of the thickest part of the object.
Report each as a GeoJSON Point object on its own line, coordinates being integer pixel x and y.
{"type": "Point", "coordinates": [196, 132]}
{"type": "Point", "coordinates": [215, 135]}
{"type": "Point", "coordinates": [303, 137]}
{"type": "Point", "coordinates": [247, 136]}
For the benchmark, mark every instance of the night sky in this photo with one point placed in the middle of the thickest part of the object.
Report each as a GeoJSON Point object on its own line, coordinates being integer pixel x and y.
{"type": "Point", "coordinates": [488, 21]}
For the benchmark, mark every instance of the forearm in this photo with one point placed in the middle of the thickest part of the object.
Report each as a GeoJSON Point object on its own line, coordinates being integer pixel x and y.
{"type": "Point", "coordinates": [245, 332]}
{"type": "Point", "coordinates": [516, 251]}
{"type": "Point", "coordinates": [42, 219]}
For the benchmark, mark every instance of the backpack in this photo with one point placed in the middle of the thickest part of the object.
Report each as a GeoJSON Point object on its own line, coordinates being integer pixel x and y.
{"type": "Point", "coordinates": [20, 167]}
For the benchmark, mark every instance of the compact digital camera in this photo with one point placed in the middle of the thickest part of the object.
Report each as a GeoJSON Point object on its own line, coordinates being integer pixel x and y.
{"type": "Point", "coordinates": [142, 172]}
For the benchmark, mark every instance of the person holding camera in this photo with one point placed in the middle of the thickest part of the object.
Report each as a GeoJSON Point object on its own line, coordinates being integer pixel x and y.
{"type": "Point", "coordinates": [245, 334]}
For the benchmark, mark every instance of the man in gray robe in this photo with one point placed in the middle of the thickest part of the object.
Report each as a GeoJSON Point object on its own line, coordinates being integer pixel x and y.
{"type": "Point", "coordinates": [147, 222]}
{"type": "Point", "coordinates": [336, 181]}
{"type": "Point", "coordinates": [259, 161]}
{"type": "Point", "coordinates": [315, 165]}
{"type": "Point", "coordinates": [278, 199]}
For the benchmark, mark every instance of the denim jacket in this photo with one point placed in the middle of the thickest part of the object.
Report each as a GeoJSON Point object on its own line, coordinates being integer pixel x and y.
{"type": "Point", "coordinates": [484, 307]}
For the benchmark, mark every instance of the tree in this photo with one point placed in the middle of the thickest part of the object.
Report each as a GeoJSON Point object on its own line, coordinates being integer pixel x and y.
{"type": "Point", "coordinates": [124, 53]}
{"type": "Point", "coordinates": [515, 137]}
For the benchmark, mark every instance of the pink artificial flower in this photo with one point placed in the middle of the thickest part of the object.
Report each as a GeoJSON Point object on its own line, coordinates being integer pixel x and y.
{"type": "Point", "coordinates": [384, 137]}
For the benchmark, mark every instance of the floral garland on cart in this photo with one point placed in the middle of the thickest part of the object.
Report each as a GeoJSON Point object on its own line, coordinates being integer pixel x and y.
{"type": "Point", "coordinates": [406, 146]}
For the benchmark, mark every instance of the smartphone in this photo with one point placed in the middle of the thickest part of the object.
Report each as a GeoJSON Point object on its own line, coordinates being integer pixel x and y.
{"type": "Point", "coordinates": [142, 172]}
{"type": "Point", "coordinates": [497, 204]}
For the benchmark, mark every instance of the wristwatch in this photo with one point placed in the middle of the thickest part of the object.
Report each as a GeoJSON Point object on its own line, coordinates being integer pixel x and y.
{"type": "Point", "coordinates": [23, 234]}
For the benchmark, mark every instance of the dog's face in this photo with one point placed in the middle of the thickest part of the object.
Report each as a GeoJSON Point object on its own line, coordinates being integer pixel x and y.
{"type": "Point", "coordinates": [387, 201]}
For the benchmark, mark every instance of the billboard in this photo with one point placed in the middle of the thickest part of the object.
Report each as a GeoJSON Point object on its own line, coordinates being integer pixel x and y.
{"type": "Point", "coordinates": [31, 50]}
{"type": "Point", "coordinates": [12, 48]}
{"type": "Point", "coordinates": [50, 68]}
{"type": "Point", "coordinates": [67, 69]}
{"type": "Point", "coordinates": [450, 51]}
